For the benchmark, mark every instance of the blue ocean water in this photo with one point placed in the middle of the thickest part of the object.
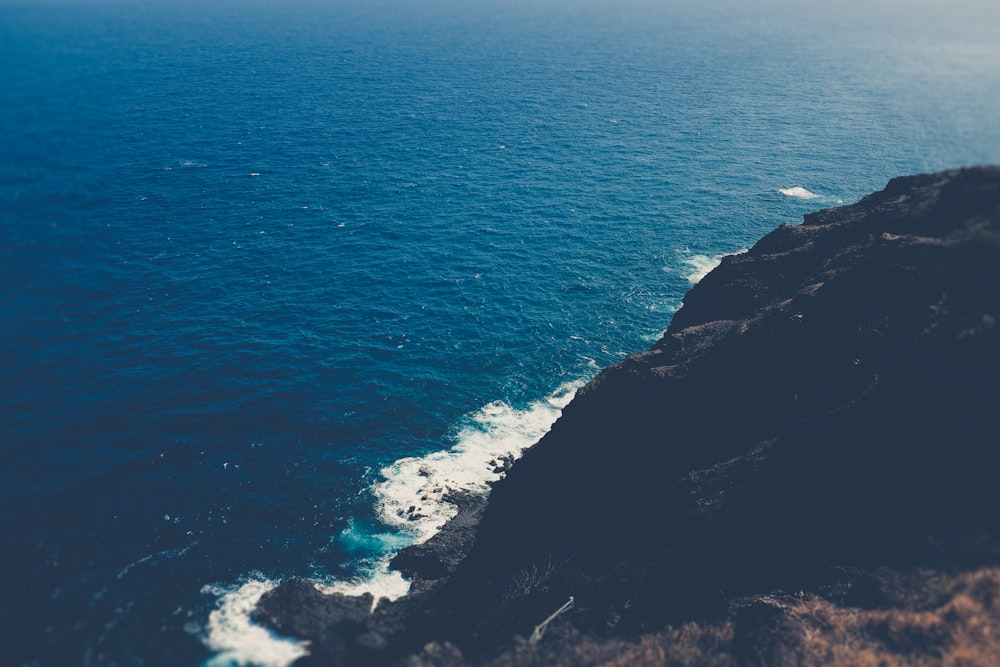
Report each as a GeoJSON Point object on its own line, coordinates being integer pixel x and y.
{"type": "Point", "coordinates": [253, 255]}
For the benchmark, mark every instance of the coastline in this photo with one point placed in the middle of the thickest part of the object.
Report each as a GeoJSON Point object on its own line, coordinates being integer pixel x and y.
{"type": "Point", "coordinates": [435, 501]}
{"type": "Point", "coordinates": [346, 629]}
{"type": "Point", "coordinates": [788, 465]}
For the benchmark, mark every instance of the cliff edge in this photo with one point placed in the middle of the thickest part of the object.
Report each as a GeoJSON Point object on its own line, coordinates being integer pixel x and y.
{"type": "Point", "coordinates": [804, 469]}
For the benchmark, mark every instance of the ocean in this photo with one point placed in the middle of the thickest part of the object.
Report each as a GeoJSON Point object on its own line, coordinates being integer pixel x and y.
{"type": "Point", "coordinates": [275, 277]}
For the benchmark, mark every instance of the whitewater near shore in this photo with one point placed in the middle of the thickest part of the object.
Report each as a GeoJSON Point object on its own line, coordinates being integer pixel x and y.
{"type": "Point", "coordinates": [257, 253]}
{"type": "Point", "coordinates": [832, 474]}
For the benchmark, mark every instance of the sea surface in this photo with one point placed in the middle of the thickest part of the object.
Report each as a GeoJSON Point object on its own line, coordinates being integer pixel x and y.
{"type": "Point", "coordinates": [276, 276]}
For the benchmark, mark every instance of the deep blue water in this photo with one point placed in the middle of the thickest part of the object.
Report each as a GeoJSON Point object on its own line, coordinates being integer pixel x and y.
{"type": "Point", "coordinates": [252, 255]}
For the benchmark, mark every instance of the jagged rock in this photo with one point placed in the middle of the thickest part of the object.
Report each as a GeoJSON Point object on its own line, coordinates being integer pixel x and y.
{"type": "Point", "coordinates": [825, 399]}
{"type": "Point", "coordinates": [428, 563]}
{"type": "Point", "coordinates": [820, 418]}
{"type": "Point", "coordinates": [343, 630]}
{"type": "Point", "coordinates": [329, 622]}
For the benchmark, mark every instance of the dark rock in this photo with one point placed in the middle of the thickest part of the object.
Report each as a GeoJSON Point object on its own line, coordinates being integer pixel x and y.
{"type": "Point", "coordinates": [292, 608]}
{"type": "Point", "coordinates": [436, 654]}
{"type": "Point", "coordinates": [825, 399]}
{"type": "Point", "coordinates": [884, 588]}
{"type": "Point", "coordinates": [329, 622]}
{"type": "Point", "coordinates": [428, 563]}
{"type": "Point", "coordinates": [765, 634]}
{"type": "Point", "coordinates": [343, 630]}
{"type": "Point", "coordinates": [820, 417]}
{"type": "Point", "coordinates": [372, 641]}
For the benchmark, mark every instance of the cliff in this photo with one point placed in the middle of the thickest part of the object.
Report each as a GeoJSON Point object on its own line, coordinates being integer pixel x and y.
{"type": "Point", "coordinates": [806, 461]}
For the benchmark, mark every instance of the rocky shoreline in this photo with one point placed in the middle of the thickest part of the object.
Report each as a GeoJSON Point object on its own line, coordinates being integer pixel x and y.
{"type": "Point", "coordinates": [803, 470]}
{"type": "Point", "coordinates": [342, 629]}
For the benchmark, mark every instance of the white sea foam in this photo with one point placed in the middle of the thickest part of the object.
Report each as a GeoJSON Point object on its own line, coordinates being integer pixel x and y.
{"type": "Point", "coordinates": [798, 192]}
{"type": "Point", "coordinates": [656, 336]}
{"type": "Point", "coordinates": [380, 580]}
{"type": "Point", "coordinates": [700, 266]}
{"type": "Point", "coordinates": [238, 640]}
{"type": "Point", "coordinates": [412, 498]}
{"type": "Point", "coordinates": [414, 494]}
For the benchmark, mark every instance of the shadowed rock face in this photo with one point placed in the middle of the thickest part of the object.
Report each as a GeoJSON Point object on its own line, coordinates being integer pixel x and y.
{"type": "Point", "coordinates": [823, 407]}
{"type": "Point", "coordinates": [827, 398]}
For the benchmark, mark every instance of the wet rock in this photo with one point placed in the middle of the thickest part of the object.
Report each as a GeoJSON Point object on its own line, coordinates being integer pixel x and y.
{"type": "Point", "coordinates": [428, 563]}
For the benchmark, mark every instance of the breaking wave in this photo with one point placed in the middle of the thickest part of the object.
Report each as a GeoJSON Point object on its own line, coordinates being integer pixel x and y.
{"type": "Point", "coordinates": [412, 499]}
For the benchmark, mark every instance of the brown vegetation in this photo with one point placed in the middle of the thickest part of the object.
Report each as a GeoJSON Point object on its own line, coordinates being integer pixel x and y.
{"type": "Point", "coordinates": [959, 628]}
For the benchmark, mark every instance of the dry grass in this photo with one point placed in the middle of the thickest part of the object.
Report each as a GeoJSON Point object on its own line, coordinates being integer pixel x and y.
{"type": "Point", "coordinates": [691, 644]}
{"type": "Point", "coordinates": [960, 627]}
{"type": "Point", "coordinates": [962, 631]}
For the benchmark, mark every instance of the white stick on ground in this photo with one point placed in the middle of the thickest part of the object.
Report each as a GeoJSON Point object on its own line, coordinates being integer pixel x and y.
{"type": "Point", "coordinates": [540, 628]}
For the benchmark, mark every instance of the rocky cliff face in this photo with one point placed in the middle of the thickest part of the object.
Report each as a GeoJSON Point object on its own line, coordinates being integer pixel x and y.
{"type": "Point", "coordinates": [820, 425]}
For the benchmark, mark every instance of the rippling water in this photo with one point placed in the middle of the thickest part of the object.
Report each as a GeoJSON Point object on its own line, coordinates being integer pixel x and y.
{"type": "Point", "coordinates": [251, 256]}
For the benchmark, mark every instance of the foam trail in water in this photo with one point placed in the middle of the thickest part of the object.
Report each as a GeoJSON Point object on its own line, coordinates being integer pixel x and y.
{"type": "Point", "coordinates": [237, 639]}
{"type": "Point", "coordinates": [798, 192]}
